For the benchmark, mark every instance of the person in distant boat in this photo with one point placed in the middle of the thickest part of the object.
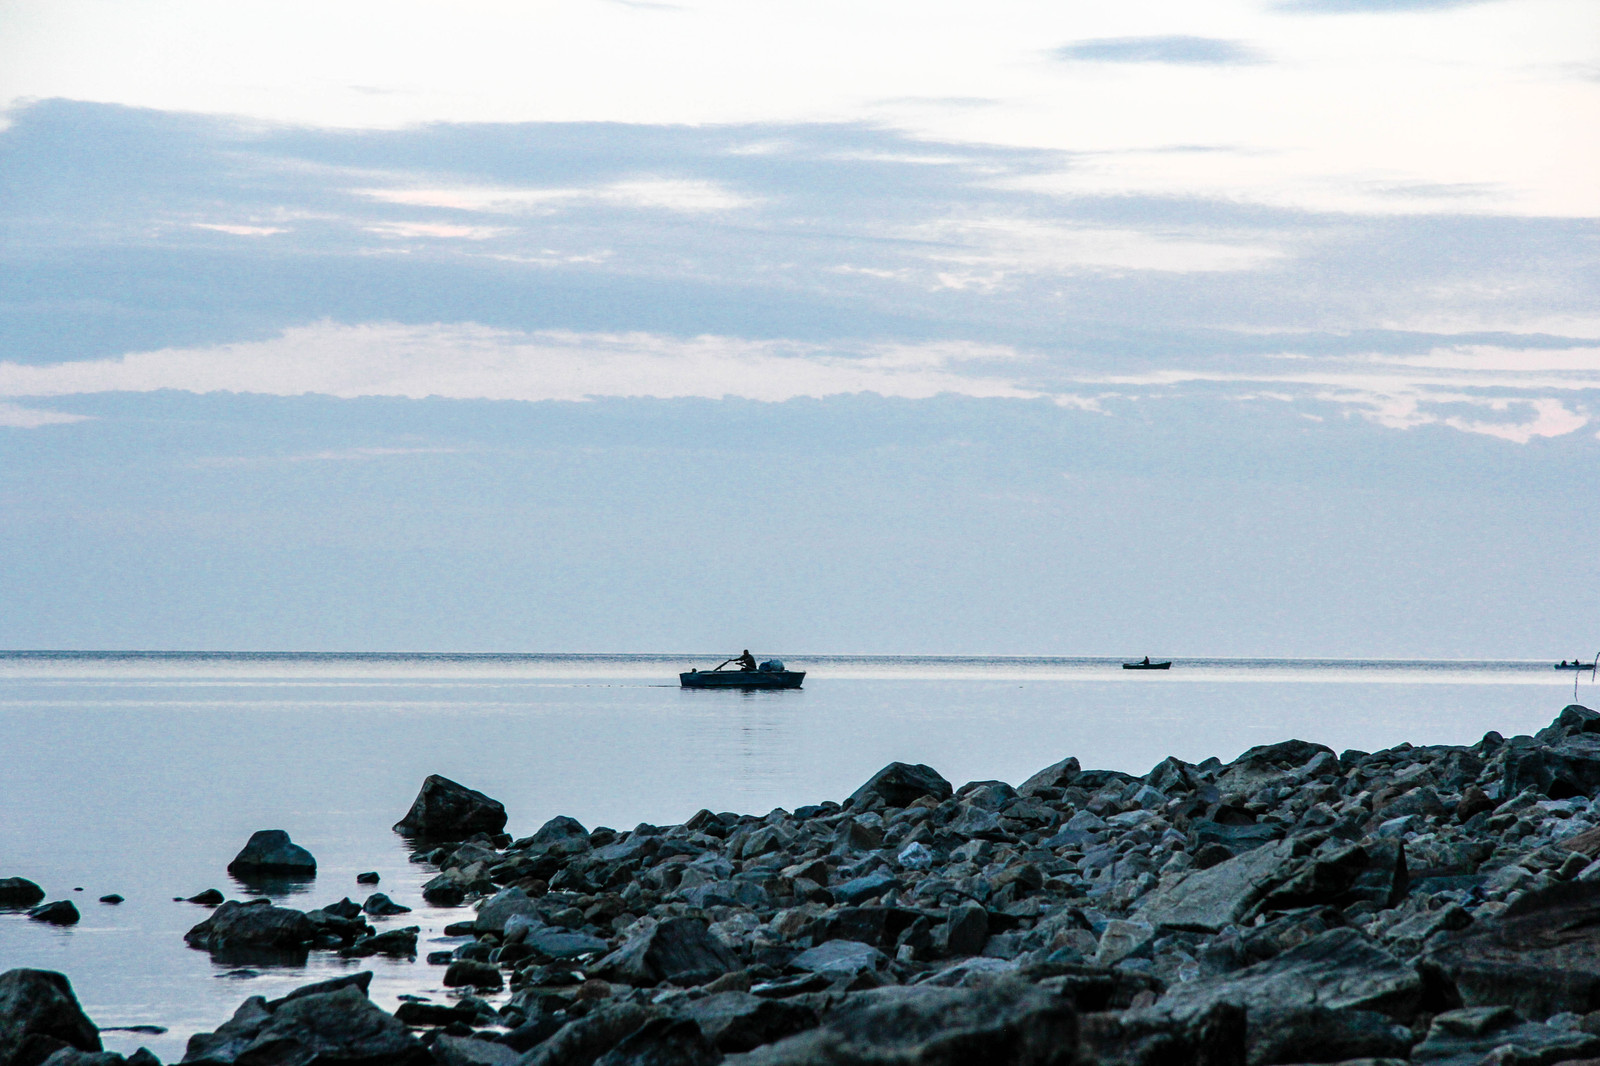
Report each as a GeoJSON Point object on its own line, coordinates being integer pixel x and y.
{"type": "Point", "coordinates": [746, 661]}
{"type": "Point", "coordinates": [1146, 661]}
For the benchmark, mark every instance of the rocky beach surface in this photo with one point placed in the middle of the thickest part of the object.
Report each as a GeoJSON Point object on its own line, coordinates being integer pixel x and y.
{"type": "Point", "coordinates": [1436, 905]}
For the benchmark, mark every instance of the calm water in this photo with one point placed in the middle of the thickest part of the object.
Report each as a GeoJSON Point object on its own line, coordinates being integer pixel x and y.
{"type": "Point", "coordinates": [143, 774]}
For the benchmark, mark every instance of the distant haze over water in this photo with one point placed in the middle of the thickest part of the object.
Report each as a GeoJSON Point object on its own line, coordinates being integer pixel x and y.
{"type": "Point", "coordinates": [143, 773]}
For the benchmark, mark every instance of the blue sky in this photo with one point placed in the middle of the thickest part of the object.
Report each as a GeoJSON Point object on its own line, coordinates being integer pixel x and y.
{"type": "Point", "coordinates": [1267, 329]}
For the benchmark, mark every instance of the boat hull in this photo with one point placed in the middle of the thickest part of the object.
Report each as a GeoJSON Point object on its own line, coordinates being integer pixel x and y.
{"type": "Point", "coordinates": [742, 678]}
{"type": "Point", "coordinates": [1147, 666]}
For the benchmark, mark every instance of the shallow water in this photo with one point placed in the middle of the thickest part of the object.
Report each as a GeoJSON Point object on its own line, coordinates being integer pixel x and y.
{"type": "Point", "coordinates": [143, 774]}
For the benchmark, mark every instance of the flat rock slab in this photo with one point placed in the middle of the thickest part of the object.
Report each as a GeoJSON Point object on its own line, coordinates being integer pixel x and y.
{"type": "Point", "coordinates": [1206, 900]}
{"type": "Point", "coordinates": [840, 958]}
{"type": "Point", "coordinates": [1541, 956]}
{"type": "Point", "coordinates": [1341, 969]}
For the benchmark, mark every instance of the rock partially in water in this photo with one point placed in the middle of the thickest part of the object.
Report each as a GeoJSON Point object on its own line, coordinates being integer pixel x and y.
{"type": "Point", "coordinates": [19, 892]}
{"type": "Point", "coordinates": [446, 810]}
{"type": "Point", "coordinates": [313, 1028]}
{"type": "Point", "coordinates": [270, 851]}
{"type": "Point", "coordinates": [467, 973]}
{"type": "Point", "coordinates": [61, 912]}
{"type": "Point", "coordinates": [256, 929]}
{"type": "Point", "coordinates": [209, 898]}
{"type": "Point", "coordinates": [380, 906]}
{"type": "Point", "coordinates": [112, 899]}
{"type": "Point", "coordinates": [368, 878]}
{"type": "Point", "coordinates": [39, 1015]}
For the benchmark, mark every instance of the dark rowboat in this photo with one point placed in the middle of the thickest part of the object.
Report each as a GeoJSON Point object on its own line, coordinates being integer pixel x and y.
{"type": "Point", "coordinates": [1148, 665]}
{"type": "Point", "coordinates": [742, 678]}
{"type": "Point", "coordinates": [1574, 666]}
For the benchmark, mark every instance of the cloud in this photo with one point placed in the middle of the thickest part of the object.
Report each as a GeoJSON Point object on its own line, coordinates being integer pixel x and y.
{"type": "Point", "coordinates": [15, 417]}
{"type": "Point", "coordinates": [468, 361]}
{"type": "Point", "coordinates": [239, 230]}
{"type": "Point", "coordinates": [1176, 49]}
{"type": "Point", "coordinates": [1351, 7]}
{"type": "Point", "coordinates": [685, 196]}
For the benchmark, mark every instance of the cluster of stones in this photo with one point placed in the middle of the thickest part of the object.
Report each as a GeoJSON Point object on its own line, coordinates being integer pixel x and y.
{"type": "Point", "coordinates": [1435, 905]}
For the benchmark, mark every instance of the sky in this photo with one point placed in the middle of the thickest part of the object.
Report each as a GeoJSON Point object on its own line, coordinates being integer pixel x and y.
{"type": "Point", "coordinates": [1257, 327]}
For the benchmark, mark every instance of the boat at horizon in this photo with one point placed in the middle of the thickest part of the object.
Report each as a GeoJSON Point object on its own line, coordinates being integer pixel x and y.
{"type": "Point", "coordinates": [770, 674]}
{"type": "Point", "coordinates": [1148, 665]}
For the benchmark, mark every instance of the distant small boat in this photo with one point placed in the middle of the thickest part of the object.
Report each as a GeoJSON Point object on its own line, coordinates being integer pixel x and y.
{"type": "Point", "coordinates": [1564, 665]}
{"type": "Point", "coordinates": [1148, 665]}
{"type": "Point", "coordinates": [770, 674]}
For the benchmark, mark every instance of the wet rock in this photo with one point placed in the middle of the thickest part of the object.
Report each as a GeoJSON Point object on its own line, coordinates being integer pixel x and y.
{"type": "Point", "coordinates": [19, 892]}
{"type": "Point", "coordinates": [1340, 969]}
{"type": "Point", "coordinates": [446, 810]}
{"type": "Point", "coordinates": [341, 1026]}
{"type": "Point", "coordinates": [39, 1015]}
{"type": "Point", "coordinates": [209, 898]}
{"type": "Point", "coordinates": [368, 878]}
{"type": "Point", "coordinates": [400, 943]}
{"type": "Point", "coordinates": [1541, 956]}
{"type": "Point", "coordinates": [1002, 1024]}
{"type": "Point", "coordinates": [238, 927]}
{"type": "Point", "coordinates": [680, 950]}
{"type": "Point", "coordinates": [270, 851]}
{"type": "Point", "coordinates": [61, 912]}
{"type": "Point", "coordinates": [739, 1021]}
{"type": "Point", "coordinates": [380, 905]}
{"type": "Point", "coordinates": [467, 973]}
{"type": "Point", "coordinates": [901, 784]}
{"type": "Point", "coordinates": [503, 906]}
{"type": "Point", "coordinates": [585, 1039]}
{"type": "Point", "coordinates": [468, 1051]}
{"type": "Point", "coordinates": [113, 899]}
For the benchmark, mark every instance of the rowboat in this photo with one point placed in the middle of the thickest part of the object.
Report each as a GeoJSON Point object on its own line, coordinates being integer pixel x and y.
{"type": "Point", "coordinates": [1564, 665]}
{"type": "Point", "coordinates": [742, 678]}
{"type": "Point", "coordinates": [1148, 665]}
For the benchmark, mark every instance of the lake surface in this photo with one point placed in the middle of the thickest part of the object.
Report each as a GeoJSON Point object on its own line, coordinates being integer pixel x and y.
{"type": "Point", "coordinates": [144, 773]}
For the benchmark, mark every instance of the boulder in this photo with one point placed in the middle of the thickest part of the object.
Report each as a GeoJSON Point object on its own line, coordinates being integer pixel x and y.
{"type": "Point", "coordinates": [1320, 1034]}
{"type": "Point", "coordinates": [467, 973]}
{"type": "Point", "coordinates": [401, 943]}
{"type": "Point", "coordinates": [40, 1015]}
{"type": "Point", "coordinates": [380, 905]}
{"type": "Point", "coordinates": [859, 890]}
{"type": "Point", "coordinates": [270, 851]}
{"type": "Point", "coordinates": [1466, 1037]}
{"type": "Point", "coordinates": [680, 950]}
{"type": "Point", "coordinates": [368, 878]}
{"type": "Point", "coordinates": [500, 908]}
{"type": "Point", "coordinates": [1005, 1023]}
{"type": "Point", "coordinates": [1056, 775]}
{"type": "Point", "coordinates": [739, 1021]}
{"type": "Point", "coordinates": [585, 1039]}
{"type": "Point", "coordinates": [61, 912]}
{"type": "Point", "coordinates": [556, 830]}
{"type": "Point", "coordinates": [663, 1042]}
{"type": "Point", "coordinates": [1266, 763]}
{"type": "Point", "coordinates": [19, 892]}
{"type": "Point", "coordinates": [341, 1027]}
{"type": "Point", "coordinates": [236, 927]}
{"type": "Point", "coordinates": [1341, 969]}
{"type": "Point", "coordinates": [1541, 956]}
{"type": "Point", "coordinates": [71, 1056]}
{"type": "Point", "coordinates": [468, 1051]}
{"type": "Point", "coordinates": [1215, 1037]}
{"type": "Point", "coordinates": [445, 810]}
{"type": "Point", "coordinates": [1206, 900]}
{"type": "Point", "coordinates": [900, 785]}
{"type": "Point", "coordinates": [840, 959]}
{"type": "Point", "coordinates": [1568, 768]}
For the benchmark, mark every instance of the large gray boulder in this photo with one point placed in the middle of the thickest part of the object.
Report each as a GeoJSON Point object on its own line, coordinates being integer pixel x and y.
{"type": "Point", "coordinates": [1206, 900]}
{"type": "Point", "coordinates": [679, 950]}
{"type": "Point", "coordinates": [270, 851]}
{"type": "Point", "coordinates": [1266, 763]}
{"type": "Point", "coordinates": [1570, 767]}
{"type": "Point", "coordinates": [739, 1021]}
{"type": "Point", "coordinates": [39, 1015]}
{"type": "Point", "coordinates": [1056, 775]}
{"type": "Point", "coordinates": [1341, 969]}
{"type": "Point", "coordinates": [901, 784]}
{"type": "Point", "coordinates": [341, 1027]}
{"type": "Point", "coordinates": [500, 908]}
{"type": "Point", "coordinates": [253, 927]}
{"type": "Point", "coordinates": [663, 1042]}
{"type": "Point", "coordinates": [1466, 1037]}
{"type": "Point", "coordinates": [1541, 956]}
{"type": "Point", "coordinates": [1215, 1037]}
{"type": "Point", "coordinates": [446, 810]}
{"type": "Point", "coordinates": [585, 1039]}
{"type": "Point", "coordinates": [1006, 1023]}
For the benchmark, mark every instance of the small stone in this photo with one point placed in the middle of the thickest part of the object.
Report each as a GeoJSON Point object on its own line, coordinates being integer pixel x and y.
{"type": "Point", "coordinates": [368, 878]}
{"type": "Point", "coordinates": [112, 899]}
{"type": "Point", "coordinates": [209, 898]}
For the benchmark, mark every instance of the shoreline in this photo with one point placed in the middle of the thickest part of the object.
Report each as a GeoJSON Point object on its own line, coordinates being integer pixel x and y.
{"type": "Point", "coordinates": [1295, 901]}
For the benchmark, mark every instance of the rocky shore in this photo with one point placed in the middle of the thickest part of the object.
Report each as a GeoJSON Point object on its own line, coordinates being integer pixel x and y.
{"type": "Point", "coordinates": [1436, 905]}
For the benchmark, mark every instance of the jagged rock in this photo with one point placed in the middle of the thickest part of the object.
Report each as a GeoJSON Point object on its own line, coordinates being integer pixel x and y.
{"type": "Point", "coordinates": [556, 830]}
{"type": "Point", "coordinates": [445, 810]}
{"type": "Point", "coordinates": [61, 912]}
{"type": "Point", "coordinates": [1340, 969]}
{"type": "Point", "coordinates": [1056, 775]}
{"type": "Point", "coordinates": [500, 908]}
{"type": "Point", "coordinates": [1541, 956]}
{"type": "Point", "coordinates": [71, 1056]}
{"type": "Point", "coordinates": [585, 1039]}
{"type": "Point", "coordinates": [340, 1027]}
{"type": "Point", "coordinates": [679, 950]}
{"type": "Point", "coordinates": [467, 1051]}
{"type": "Point", "coordinates": [1207, 900]}
{"type": "Point", "coordinates": [19, 892]}
{"type": "Point", "coordinates": [240, 927]}
{"type": "Point", "coordinates": [901, 784]}
{"type": "Point", "coordinates": [840, 958]}
{"type": "Point", "coordinates": [468, 973]}
{"type": "Point", "coordinates": [967, 930]}
{"type": "Point", "coordinates": [1266, 763]}
{"type": "Point", "coordinates": [663, 1042]}
{"type": "Point", "coordinates": [739, 1021]}
{"type": "Point", "coordinates": [1215, 1037]}
{"type": "Point", "coordinates": [1568, 768]}
{"type": "Point", "coordinates": [380, 905]}
{"type": "Point", "coordinates": [271, 851]}
{"type": "Point", "coordinates": [39, 1014]}
{"type": "Point", "coordinates": [1467, 1037]}
{"type": "Point", "coordinates": [1320, 1034]}
{"type": "Point", "coordinates": [1001, 1024]}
